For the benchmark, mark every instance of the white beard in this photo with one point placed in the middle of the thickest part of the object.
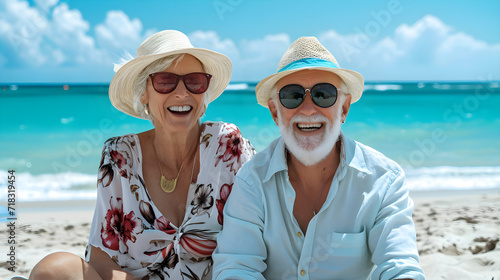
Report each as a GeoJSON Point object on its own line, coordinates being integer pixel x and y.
{"type": "Point", "coordinates": [310, 150]}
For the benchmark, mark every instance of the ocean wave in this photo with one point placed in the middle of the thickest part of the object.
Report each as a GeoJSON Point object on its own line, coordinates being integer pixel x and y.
{"type": "Point", "coordinates": [433, 86]}
{"type": "Point", "coordinates": [464, 86]}
{"type": "Point", "coordinates": [62, 186]}
{"type": "Point", "coordinates": [71, 186]}
{"type": "Point", "coordinates": [383, 87]}
{"type": "Point", "coordinates": [453, 178]}
{"type": "Point", "coordinates": [238, 86]}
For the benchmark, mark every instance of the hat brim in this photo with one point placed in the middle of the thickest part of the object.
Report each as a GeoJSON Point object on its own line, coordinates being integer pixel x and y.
{"type": "Point", "coordinates": [352, 79]}
{"type": "Point", "coordinates": [123, 82]}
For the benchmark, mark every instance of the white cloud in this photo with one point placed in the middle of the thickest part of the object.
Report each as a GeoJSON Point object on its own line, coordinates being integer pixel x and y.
{"type": "Point", "coordinates": [52, 40]}
{"type": "Point", "coordinates": [252, 59]}
{"type": "Point", "coordinates": [429, 27]}
{"type": "Point", "coordinates": [210, 40]}
{"type": "Point", "coordinates": [51, 34]}
{"type": "Point", "coordinates": [417, 43]}
{"type": "Point", "coordinates": [45, 5]}
{"type": "Point", "coordinates": [427, 50]}
{"type": "Point", "coordinates": [260, 57]}
{"type": "Point", "coordinates": [68, 32]}
{"type": "Point", "coordinates": [21, 30]}
{"type": "Point", "coordinates": [470, 49]}
{"type": "Point", "coordinates": [119, 33]}
{"type": "Point", "coordinates": [345, 48]}
{"type": "Point", "coordinates": [40, 36]}
{"type": "Point", "coordinates": [260, 50]}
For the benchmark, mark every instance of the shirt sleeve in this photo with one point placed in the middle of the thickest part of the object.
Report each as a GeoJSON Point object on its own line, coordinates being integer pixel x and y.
{"type": "Point", "coordinates": [241, 250]}
{"type": "Point", "coordinates": [392, 239]}
{"type": "Point", "coordinates": [116, 163]}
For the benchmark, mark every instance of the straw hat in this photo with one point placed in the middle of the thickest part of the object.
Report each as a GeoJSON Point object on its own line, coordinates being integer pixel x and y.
{"type": "Point", "coordinates": [159, 45]}
{"type": "Point", "coordinates": [308, 53]}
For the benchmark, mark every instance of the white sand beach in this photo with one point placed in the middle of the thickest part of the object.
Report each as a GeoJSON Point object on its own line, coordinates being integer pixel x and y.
{"type": "Point", "coordinates": [457, 233]}
{"type": "Point", "coordinates": [46, 227]}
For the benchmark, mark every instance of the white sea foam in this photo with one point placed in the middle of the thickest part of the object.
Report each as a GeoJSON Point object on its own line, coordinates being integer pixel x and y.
{"type": "Point", "coordinates": [383, 87]}
{"type": "Point", "coordinates": [72, 186]}
{"type": "Point", "coordinates": [62, 186]}
{"type": "Point", "coordinates": [453, 178]}
{"type": "Point", "coordinates": [465, 86]}
{"type": "Point", "coordinates": [239, 86]}
{"type": "Point", "coordinates": [442, 86]}
{"type": "Point", "coordinates": [67, 120]}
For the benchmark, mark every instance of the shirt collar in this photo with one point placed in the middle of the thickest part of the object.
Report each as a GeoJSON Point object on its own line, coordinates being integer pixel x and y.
{"type": "Point", "coordinates": [350, 154]}
{"type": "Point", "coordinates": [278, 159]}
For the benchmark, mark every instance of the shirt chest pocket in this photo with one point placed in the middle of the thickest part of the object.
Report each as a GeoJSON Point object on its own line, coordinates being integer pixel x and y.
{"type": "Point", "coordinates": [348, 254]}
{"type": "Point", "coordinates": [348, 244]}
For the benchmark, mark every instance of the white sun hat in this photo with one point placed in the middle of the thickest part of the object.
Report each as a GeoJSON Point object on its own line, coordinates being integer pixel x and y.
{"type": "Point", "coordinates": [159, 45]}
{"type": "Point", "coordinates": [307, 53]}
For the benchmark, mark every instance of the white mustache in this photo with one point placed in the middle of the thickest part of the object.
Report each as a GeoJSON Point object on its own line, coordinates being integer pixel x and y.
{"type": "Point", "coordinates": [308, 119]}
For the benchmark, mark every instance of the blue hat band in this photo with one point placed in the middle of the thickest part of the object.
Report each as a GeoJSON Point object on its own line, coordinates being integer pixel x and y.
{"type": "Point", "coordinates": [308, 62]}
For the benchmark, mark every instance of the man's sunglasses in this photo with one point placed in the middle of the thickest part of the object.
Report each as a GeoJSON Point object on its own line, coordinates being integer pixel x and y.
{"type": "Point", "coordinates": [165, 82]}
{"type": "Point", "coordinates": [324, 95]}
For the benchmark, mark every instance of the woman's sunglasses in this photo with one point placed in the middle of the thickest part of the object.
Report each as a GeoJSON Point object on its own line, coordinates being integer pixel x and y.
{"type": "Point", "coordinates": [165, 82]}
{"type": "Point", "coordinates": [324, 95]}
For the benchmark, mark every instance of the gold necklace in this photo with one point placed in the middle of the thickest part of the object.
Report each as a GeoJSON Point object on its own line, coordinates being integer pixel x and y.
{"type": "Point", "coordinates": [168, 185]}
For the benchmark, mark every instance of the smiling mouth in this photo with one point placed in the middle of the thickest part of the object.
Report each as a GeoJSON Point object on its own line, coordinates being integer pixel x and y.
{"type": "Point", "coordinates": [309, 127]}
{"type": "Point", "coordinates": [180, 109]}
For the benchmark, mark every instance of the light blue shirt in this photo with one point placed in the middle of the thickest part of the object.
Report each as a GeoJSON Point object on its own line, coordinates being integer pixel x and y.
{"type": "Point", "coordinates": [364, 229]}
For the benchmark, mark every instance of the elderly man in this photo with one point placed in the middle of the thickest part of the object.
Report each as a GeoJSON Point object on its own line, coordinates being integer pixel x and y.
{"type": "Point", "coordinates": [316, 204]}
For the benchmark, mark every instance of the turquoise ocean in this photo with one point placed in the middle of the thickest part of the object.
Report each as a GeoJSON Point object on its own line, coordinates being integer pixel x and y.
{"type": "Point", "coordinates": [445, 135]}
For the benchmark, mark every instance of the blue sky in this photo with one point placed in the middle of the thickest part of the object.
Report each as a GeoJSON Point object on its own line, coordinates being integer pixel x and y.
{"type": "Point", "coordinates": [75, 41]}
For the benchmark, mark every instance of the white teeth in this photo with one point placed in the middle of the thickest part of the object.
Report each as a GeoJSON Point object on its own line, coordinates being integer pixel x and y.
{"type": "Point", "coordinates": [180, 108]}
{"type": "Point", "coordinates": [309, 127]}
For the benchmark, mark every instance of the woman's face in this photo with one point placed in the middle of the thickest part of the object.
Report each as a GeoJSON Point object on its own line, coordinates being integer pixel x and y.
{"type": "Point", "coordinates": [180, 109]}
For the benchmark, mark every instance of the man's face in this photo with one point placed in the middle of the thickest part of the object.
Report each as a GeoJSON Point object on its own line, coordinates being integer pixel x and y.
{"type": "Point", "coordinates": [309, 131]}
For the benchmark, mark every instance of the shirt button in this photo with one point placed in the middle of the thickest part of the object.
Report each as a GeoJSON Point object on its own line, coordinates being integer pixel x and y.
{"type": "Point", "coordinates": [302, 272]}
{"type": "Point", "coordinates": [299, 234]}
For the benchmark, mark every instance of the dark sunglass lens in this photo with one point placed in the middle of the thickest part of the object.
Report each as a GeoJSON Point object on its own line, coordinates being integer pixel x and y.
{"type": "Point", "coordinates": [291, 96]}
{"type": "Point", "coordinates": [324, 95]}
{"type": "Point", "coordinates": [165, 82]}
{"type": "Point", "coordinates": [196, 82]}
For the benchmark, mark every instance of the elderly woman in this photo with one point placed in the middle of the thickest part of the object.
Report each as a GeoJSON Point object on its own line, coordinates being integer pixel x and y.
{"type": "Point", "coordinates": [161, 192]}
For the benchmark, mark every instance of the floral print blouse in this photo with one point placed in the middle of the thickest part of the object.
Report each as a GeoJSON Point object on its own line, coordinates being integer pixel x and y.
{"type": "Point", "coordinates": [133, 232]}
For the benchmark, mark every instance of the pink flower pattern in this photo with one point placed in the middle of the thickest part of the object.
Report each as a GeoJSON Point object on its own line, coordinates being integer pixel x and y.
{"type": "Point", "coordinates": [225, 190]}
{"type": "Point", "coordinates": [164, 225]}
{"type": "Point", "coordinates": [112, 156]}
{"type": "Point", "coordinates": [118, 228]}
{"type": "Point", "coordinates": [230, 148]}
{"type": "Point", "coordinates": [120, 161]}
